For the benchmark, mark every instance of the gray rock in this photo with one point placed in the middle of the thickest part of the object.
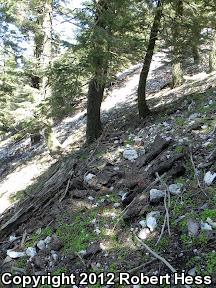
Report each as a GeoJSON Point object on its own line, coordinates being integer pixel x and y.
{"type": "Point", "coordinates": [143, 223]}
{"type": "Point", "coordinates": [151, 220]}
{"type": "Point", "coordinates": [193, 227]}
{"type": "Point", "coordinates": [41, 245]}
{"type": "Point", "coordinates": [175, 189]}
{"type": "Point", "coordinates": [31, 252]}
{"type": "Point", "coordinates": [130, 154]}
{"type": "Point", "coordinates": [205, 226]}
{"type": "Point", "coordinates": [156, 195]}
{"type": "Point", "coordinates": [209, 178]}
{"type": "Point", "coordinates": [90, 179]}
{"type": "Point", "coordinates": [192, 272]}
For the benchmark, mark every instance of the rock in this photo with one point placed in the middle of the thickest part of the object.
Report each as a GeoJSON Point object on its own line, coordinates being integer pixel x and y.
{"type": "Point", "coordinates": [54, 256]}
{"type": "Point", "coordinates": [55, 244]}
{"type": "Point", "coordinates": [143, 223]}
{"type": "Point", "coordinates": [41, 245]}
{"type": "Point", "coordinates": [193, 227]}
{"type": "Point", "coordinates": [14, 254]}
{"type": "Point", "coordinates": [194, 116]}
{"type": "Point", "coordinates": [175, 189]}
{"type": "Point", "coordinates": [12, 238]}
{"type": "Point", "coordinates": [47, 240]}
{"type": "Point", "coordinates": [192, 272]}
{"type": "Point", "coordinates": [211, 222]}
{"type": "Point", "coordinates": [209, 178]}
{"type": "Point", "coordinates": [151, 220]}
{"type": "Point", "coordinates": [92, 250]}
{"type": "Point", "coordinates": [116, 205]}
{"type": "Point", "coordinates": [90, 179]}
{"type": "Point", "coordinates": [156, 195]}
{"type": "Point", "coordinates": [130, 154]}
{"type": "Point", "coordinates": [90, 198]}
{"type": "Point", "coordinates": [205, 226]}
{"type": "Point", "coordinates": [143, 234]}
{"type": "Point", "coordinates": [31, 252]}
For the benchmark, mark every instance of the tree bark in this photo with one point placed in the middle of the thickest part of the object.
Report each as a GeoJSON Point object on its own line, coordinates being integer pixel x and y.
{"type": "Point", "coordinates": [142, 105]}
{"type": "Point", "coordinates": [196, 29]}
{"type": "Point", "coordinates": [212, 56]}
{"type": "Point", "coordinates": [98, 81]}
{"type": "Point", "coordinates": [177, 71]}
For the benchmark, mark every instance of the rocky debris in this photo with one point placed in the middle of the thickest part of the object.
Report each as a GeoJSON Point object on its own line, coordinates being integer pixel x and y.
{"type": "Point", "coordinates": [193, 227]}
{"type": "Point", "coordinates": [205, 226]}
{"type": "Point", "coordinates": [15, 254]}
{"type": "Point", "coordinates": [55, 244]}
{"type": "Point", "coordinates": [156, 195]}
{"type": "Point", "coordinates": [92, 250]}
{"type": "Point", "coordinates": [39, 262]}
{"type": "Point", "coordinates": [175, 189]}
{"type": "Point", "coordinates": [12, 238]}
{"type": "Point", "coordinates": [211, 222]}
{"type": "Point", "coordinates": [130, 154]}
{"type": "Point", "coordinates": [144, 233]}
{"type": "Point", "coordinates": [151, 220]}
{"type": "Point", "coordinates": [31, 251]}
{"type": "Point", "coordinates": [90, 179]}
{"type": "Point", "coordinates": [209, 178]}
{"type": "Point", "coordinates": [41, 245]}
{"type": "Point", "coordinates": [143, 223]}
{"type": "Point", "coordinates": [158, 146]}
{"type": "Point", "coordinates": [192, 272]}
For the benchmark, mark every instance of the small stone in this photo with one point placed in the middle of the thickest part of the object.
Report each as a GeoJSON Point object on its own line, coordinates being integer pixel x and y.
{"type": "Point", "coordinates": [205, 226]}
{"type": "Point", "coordinates": [12, 238]}
{"type": "Point", "coordinates": [175, 189]}
{"type": "Point", "coordinates": [143, 223]}
{"type": "Point", "coordinates": [31, 252]}
{"type": "Point", "coordinates": [116, 205]}
{"type": "Point", "coordinates": [97, 231]}
{"type": "Point", "coordinates": [90, 179]}
{"type": "Point", "coordinates": [144, 233]}
{"type": "Point", "coordinates": [156, 195]}
{"type": "Point", "coordinates": [47, 240]}
{"type": "Point", "coordinates": [90, 198]}
{"type": "Point", "coordinates": [130, 154]}
{"type": "Point", "coordinates": [211, 222]}
{"type": "Point", "coordinates": [41, 245]}
{"type": "Point", "coordinates": [192, 272]}
{"type": "Point", "coordinates": [209, 178]}
{"type": "Point", "coordinates": [14, 254]}
{"type": "Point", "coordinates": [193, 227]}
{"type": "Point", "coordinates": [151, 220]}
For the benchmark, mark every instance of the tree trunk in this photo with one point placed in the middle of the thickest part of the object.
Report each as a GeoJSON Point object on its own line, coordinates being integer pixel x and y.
{"type": "Point", "coordinates": [212, 56]}
{"type": "Point", "coordinates": [98, 81]}
{"type": "Point", "coordinates": [177, 71]}
{"type": "Point", "coordinates": [196, 29]}
{"type": "Point", "coordinates": [142, 105]}
{"type": "Point", "coordinates": [95, 97]}
{"type": "Point", "coordinates": [46, 90]}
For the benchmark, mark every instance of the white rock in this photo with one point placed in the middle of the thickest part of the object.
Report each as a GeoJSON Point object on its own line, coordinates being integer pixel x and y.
{"type": "Point", "coordinates": [211, 222]}
{"type": "Point", "coordinates": [47, 240]}
{"type": "Point", "coordinates": [175, 189]}
{"type": "Point", "coordinates": [193, 227]}
{"type": "Point", "coordinates": [90, 198]}
{"type": "Point", "coordinates": [205, 226]}
{"type": "Point", "coordinates": [116, 205]}
{"type": "Point", "coordinates": [156, 195]}
{"type": "Point", "coordinates": [41, 245]}
{"type": "Point", "coordinates": [130, 154]}
{"type": "Point", "coordinates": [209, 178]}
{"type": "Point", "coordinates": [116, 141]}
{"type": "Point", "coordinates": [143, 234]}
{"type": "Point", "coordinates": [151, 220]}
{"type": "Point", "coordinates": [143, 223]}
{"type": "Point", "coordinates": [90, 179]}
{"type": "Point", "coordinates": [97, 231]}
{"type": "Point", "coordinates": [12, 238]}
{"type": "Point", "coordinates": [31, 252]}
{"type": "Point", "coordinates": [54, 256]}
{"type": "Point", "coordinates": [14, 254]}
{"type": "Point", "coordinates": [192, 272]}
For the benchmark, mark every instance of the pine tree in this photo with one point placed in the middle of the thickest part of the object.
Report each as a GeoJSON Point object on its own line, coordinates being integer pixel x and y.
{"type": "Point", "coordinates": [142, 105]}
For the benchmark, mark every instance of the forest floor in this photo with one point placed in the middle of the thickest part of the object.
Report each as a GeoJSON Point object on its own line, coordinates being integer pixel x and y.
{"type": "Point", "coordinates": [151, 181]}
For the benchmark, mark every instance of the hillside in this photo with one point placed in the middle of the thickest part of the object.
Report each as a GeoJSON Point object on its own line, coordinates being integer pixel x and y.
{"type": "Point", "coordinates": [143, 185]}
